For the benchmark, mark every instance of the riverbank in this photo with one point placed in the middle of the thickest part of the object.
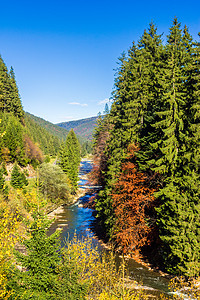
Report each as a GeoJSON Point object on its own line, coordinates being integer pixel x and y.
{"type": "Point", "coordinates": [74, 198]}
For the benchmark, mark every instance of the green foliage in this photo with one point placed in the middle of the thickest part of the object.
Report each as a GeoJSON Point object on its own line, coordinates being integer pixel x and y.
{"type": "Point", "coordinates": [156, 107]}
{"type": "Point", "coordinates": [52, 129]}
{"type": "Point", "coordinates": [49, 273]}
{"type": "Point", "coordinates": [54, 183]}
{"type": "Point", "coordinates": [9, 95]}
{"type": "Point", "coordinates": [18, 178]}
{"type": "Point", "coordinates": [68, 287]}
{"type": "Point", "coordinates": [86, 148]}
{"type": "Point", "coordinates": [3, 186]}
{"type": "Point", "coordinates": [69, 159]}
{"type": "Point", "coordinates": [3, 166]}
{"type": "Point", "coordinates": [12, 142]}
{"type": "Point", "coordinates": [83, 128]}
{"type": "Point", "coordinates": [40, 262]}
{"type": "Point", "coordinates": [47, 140]}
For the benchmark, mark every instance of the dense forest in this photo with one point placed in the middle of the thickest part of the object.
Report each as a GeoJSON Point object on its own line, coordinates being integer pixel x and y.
{"type": "Point", "coordinates": [146, 159]}
{"type": "Point", "coordinates": [147, 151]}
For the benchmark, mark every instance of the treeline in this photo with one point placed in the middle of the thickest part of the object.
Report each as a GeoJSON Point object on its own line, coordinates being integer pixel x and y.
{"type": "Point", "coordinates": [147, 151]}
{"type": "Point", "coordinates": [69, 159]}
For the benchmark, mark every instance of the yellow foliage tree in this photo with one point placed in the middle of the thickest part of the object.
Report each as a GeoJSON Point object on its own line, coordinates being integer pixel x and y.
{"type": "Point", "coordinates": [9, 225]}
{"type": "Point", "coordinates": [100, 274]}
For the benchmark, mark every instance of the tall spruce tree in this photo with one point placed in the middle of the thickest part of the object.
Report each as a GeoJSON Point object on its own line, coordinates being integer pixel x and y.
{"type": "Point", "coordinates": [70, 159]}
{"type": "Point", "coordinates": [9, 94]}
{"type": "Point", "coordinates": [178, 215]}
{"type": "Point", "coordinates": [6, 104]}
{"type": "Point", "coordinates": [134, 91]}
{"type": "Point", "coordinates": [18, 178]}
{"type": "Point", "coordinates": [17, 108]}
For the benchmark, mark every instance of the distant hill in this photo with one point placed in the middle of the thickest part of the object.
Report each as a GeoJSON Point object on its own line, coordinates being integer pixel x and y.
{"type": "Point", "coordinates": [55, 130]}
{"type": "Point", "coordinates": [83, 127]}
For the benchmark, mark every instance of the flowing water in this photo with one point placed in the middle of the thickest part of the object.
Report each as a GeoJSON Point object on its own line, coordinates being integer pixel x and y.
{"type": "Point", "coordinates": [78, 219]}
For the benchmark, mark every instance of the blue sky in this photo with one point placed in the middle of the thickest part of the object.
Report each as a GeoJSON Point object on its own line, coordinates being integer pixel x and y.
{"type": "Point", "coordinates": [64, 53]}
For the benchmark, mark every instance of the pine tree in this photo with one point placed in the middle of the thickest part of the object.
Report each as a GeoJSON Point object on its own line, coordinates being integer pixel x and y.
{"type": "Point", "coordinates": [70, 159]}
{"type": "Point", "coordinates": [156, 106]}
{"type": "Point", "coordinates": [18, 178]}
{"type": "Point", "coordinates": [178, 215]}
{"type": "Point", "coordinates": [5, 96]}
{"type": "Point", "coordinates": [40, 261]}
{"type": "Point", "coordinates": [49, 272]}
{"type": "Point", "coordinates": [135, 88]}
{"type": "Point", "coordinates": [9, 95]}
{"type": "Point", "coordinates": [17, 108]}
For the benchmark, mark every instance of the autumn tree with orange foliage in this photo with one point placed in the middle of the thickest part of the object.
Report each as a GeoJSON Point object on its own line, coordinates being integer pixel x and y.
{"type": "Point", "coordinates": [133, 203]}
{"type": "Point", "coordinates": [101, 137]}
{"type": "Point", "coordinates": [32, 151]}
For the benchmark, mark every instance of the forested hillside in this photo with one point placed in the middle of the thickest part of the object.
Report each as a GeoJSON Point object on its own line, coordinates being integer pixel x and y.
{"type": "Point", "coordinates": [147, 151]}
{"type": "Point", "coordinates": [49, 135]}
{"type": "Point", "coordinates": [23, 140]}
{"type": "Point", "coordinates": [49, 143]}
{"type": "Point", "coordinates": [53, 129]}
{"type": "Point", "coordinates": [83, 127]}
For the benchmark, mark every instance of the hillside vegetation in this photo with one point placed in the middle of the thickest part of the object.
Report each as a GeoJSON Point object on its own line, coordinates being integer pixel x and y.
{"type": "Point", "coordinates": [83, 127]}
{"type": "Point", "coordinates": [55, 130]}
{"type": "Point", "coordinates": [147, 152]}
{"type": "Point", "coordinates": [49, 135]}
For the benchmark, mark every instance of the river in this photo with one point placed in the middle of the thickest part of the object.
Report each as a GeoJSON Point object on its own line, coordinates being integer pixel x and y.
{"type": "Point", "coordinates": [79, 219]}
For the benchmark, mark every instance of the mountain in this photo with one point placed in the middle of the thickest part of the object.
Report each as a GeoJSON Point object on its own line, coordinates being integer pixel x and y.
{"type": "Point", "coordinates": [48, 142]}
{"type": "Point", "coordinates": [83, 127]}
{"type": "Point", "coordinates": [55, 130]}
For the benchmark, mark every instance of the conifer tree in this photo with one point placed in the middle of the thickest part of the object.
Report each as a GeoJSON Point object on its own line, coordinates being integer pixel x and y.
{"type": "Point", "coordinates": [156, 105]}
{"type": "Point", "coordinates": [40, 262]}
{"type": "Point", "coordinates": [13, 139]}
{"type": "Point", "coordinates": [178, 215]}
{"type": "Point", "coordinates": [135, 88]}
{"type": "Point", "coordinates": [9, 95]}
{"type": "Point", "coordinates": [18, 178]}
{"type": "Point", "coordinates": [17, 108]}
{"type": "Point", "coordinates": [70, 159]}
{"type": "Point", "coordinates": [49, 272]}
{"type": "Point", "coordinates": [5, 96]}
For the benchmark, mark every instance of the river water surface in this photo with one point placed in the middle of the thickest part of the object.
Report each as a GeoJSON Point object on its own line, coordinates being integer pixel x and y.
{"type": "Point", "coordinates": [78, 219]}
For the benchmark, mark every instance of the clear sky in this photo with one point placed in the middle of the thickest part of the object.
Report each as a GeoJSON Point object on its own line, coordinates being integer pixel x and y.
{"type": "Point", "coordinates": [64, 52]}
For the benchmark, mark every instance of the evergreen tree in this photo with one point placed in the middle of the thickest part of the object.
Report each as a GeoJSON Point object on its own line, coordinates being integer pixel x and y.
{"type": "Point", "coordinates": [17, 108]}
{"type": "Point", "coordinates": [135, 87]}
{"type": "Point", "coordinates": [40, 262]}
{"type": "Point", "coordinates": [13, 139]}
{"type": "Point", "coordinates": [178, 215]}
{"type": "Point", "coordinates": [18, 178]}
{"type": "Point", "coordinates": [9, 95]}
{"type": "Point", "coordinates": [5, 96]}
{"type": "Point", "coordinates": [70, 159]}
{"type": "Point", "coordinates": [156, 106]}
{"type": "Point", "coordinates": [49, 272]}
